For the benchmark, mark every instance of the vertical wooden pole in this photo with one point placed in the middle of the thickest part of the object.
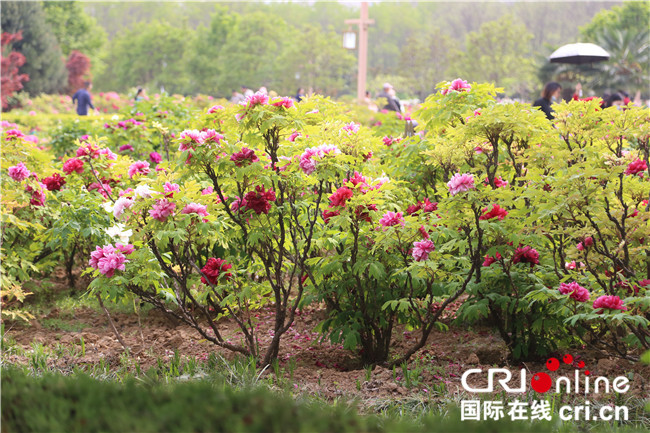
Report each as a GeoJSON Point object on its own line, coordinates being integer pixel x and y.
{"type": "Point", "coordinates": [363, 53]}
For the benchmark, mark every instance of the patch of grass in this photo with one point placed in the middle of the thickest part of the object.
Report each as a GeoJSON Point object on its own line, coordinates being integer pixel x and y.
{"type": "Point", "coordinates": [58, 324]}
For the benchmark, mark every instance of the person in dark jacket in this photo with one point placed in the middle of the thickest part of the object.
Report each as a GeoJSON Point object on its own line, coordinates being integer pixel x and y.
{"type": "Point", "coordinates": [82, 96]}
{"type": "Point", "coordinates": [299, 94]}
{"type": "Point", "coordinates": [392, 104]}
{"type": "Point", "coordinates": [550, 95]}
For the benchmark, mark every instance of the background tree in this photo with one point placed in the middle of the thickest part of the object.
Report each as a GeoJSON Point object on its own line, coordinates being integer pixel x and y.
{"type": "Point", "coordinates": [499, 52]}
{"type": "Point", "coordinates": [425, 61]}
{"type": "Point", "coordinates": [43, 57]}
{"type": "Point", "coordinates": [76, 30]}
{"type": "Point", "coordinates": [316, 60]}
{"type": "Point", "coordinates": [11, 61]}
{"type": "Point", "coordinates": [78, 66]}
{"type": "Point", "coordinates": [151, 55]}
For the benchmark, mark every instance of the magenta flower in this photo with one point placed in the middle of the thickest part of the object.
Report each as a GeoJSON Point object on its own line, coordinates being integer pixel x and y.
{"type": "Point", "coordinates": [589, 241]}
{"type": "Point", "coordinates": [389, 141]}
{"type": "Point", "coordinates": [73, 165]}
{"type": "Point", "coordinates": [126, 147]}
{"type": "Point", "coordinates": [293, 136]}
{"type": "Point", "coordinates": [54, 182]}
{"type": "Point", "coordinates": [351, 128]}
{"type": "Point", "coordinates": [636, 167]}
{"type": "Point", "coordinates": [215, 108]}
{"type": "Point", "coordinates": [341, 196]}
{"type": "Point", "coordinates": [244, 157]}
{"type": "Point", "coordinates": [577, 292]}
{"type": "Point", "coordinates": [392, 219]}
{"type": "Point", "coordinates": [38, 194]}
{"type": "Point", "coordinates": [139, 167]}
{"type": "Point", "coordinates": [155, 157]}
{"type": "Point", "coordinates": [11, 134]}
{"type": "Point", "coordinates": [457, 85]}
{"type": "Point", "coordinates": [259, 200]}
{"type": "Point", "coordinates": [213, 269]}
{"type": "Point", "coordinates": [103, 188]}
{"type": "Point", "coordinates": [609, 302]}
{"type": "Point", "coordinates": [107, 260]}
{"type": "Point", "coordinates": [282, 102]}
{"type": "Point", "coordinates": [258, 98]}
{"type": "Point", "coordinates": [196, 208]}
{"type": "Point", "coordinates": [308, 159]}
{"type": "Point", "coordinates": [162, 209]}
{"type": "Point", "coordinates": [422, 249]}
{"type": "Point", "coordinates": [19, 172]}
{"type": "Point", "coordinates": [461, 182]}
{"type": "Point", "coordinates": [206, 191]}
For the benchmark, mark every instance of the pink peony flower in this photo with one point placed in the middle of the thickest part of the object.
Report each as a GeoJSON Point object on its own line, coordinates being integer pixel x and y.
{"type": "Point", "coordinates": [422, 249]}
{"type": "Point", "coordinates": [103, 188]}
{"type": "Point", "coordinates": [162, 209]}
{"type": "Point", "coordinates": [392, 219]}
{"type": "Point", "coordinates": [461, 182]}
{"type": "Point", "coordinates": [293, 136]}
{"type": "Point", "coordinates": [126, 148]}
{"type": "Point", "coordinates": [636, 167]}
{"type": "Point", "coordinates": [107, 260]}
{"type": "Point", "coordinates": [73, 165]}
{"type": "Point", "coordinates": [121, 204]}
{"type": "Point", "coordinates": [308, 158]}
{"type": "Point", "coordinates": [258, 98]}
{"type": "Point", "coordinates": [244, 157]}
{"type": "Point", "coordinates": [577, 292]}
{"type": "Point", "coordinates": [351, 128]}
{"type": "Point", "coordinates": [196, 208]}
{"type": "Point", "coordinates": [139, 167]}
{"type": "Point", "coordinates": [573, 265]}
{"type": "Point", "coordinates": [19, 172]}
{"type": "Point", "coordinates": [580, 247]}
{"type": "Point", "coordinates": [125, 249]}
{"type": "Point", "coordinates": [609, 302]}
{"type": "Point", "coordinates": [12, 134]}
{"type": "Point", "coordinates": [206, 191]}
{"type": "Point", "coordinates": [170, 188]}
{"type": "Point", "coordinates": [496, 212]}
{"type": "Point", "coordinates": [215, 108]}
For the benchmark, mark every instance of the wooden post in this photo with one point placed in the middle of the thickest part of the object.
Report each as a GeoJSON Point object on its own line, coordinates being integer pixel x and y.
{"type": "Point", "coordinates": [363, 22]}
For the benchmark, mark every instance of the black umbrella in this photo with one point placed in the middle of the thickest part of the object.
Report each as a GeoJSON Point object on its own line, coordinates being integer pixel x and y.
{"type": "Point", "coordinates": [579, 54]}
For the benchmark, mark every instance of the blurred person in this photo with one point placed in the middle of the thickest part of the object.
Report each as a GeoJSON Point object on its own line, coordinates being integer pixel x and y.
{"type": "Point", "coordinates": [263, 90]}
{"type": "Point", "coordinates": [300, 94]}
{"type": "Point", "coordinates": [391, 103]}
{"type": "Point", "coordinates": [82, 96]}
{"type": "Point", "coordinates": [236, 97]}
{"type": "Point", "coordinates": [614, 100]}
{"type": "Point", "coordinates": [139, 96]}
{"type": "Point", "coordinates": [393, 94]}
{"type": "Point", "coordinates": [246, 91]}
{"type": "Point", "coordinates": [550, 95]}
{"type": "Point", "coordinates": [369, 102]}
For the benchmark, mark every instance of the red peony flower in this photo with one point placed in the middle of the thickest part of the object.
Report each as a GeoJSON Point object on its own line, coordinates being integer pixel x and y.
{"type": "Point", "coordinates": [526, 255]}
{"type": "Point", "coordinates": [496, 212]}
{"type": "Point", "coordinates": [213, 269]}
{"type": "Point", "coordinates": [54, 182]}
{"type": "Point", "coordinates": [245, 157]}
{"type": "Point", "coordinates": [259, 200]}
{"type": "Point", "coordinates": [636, 167]}
{"type": "Point", "coordinates": [73, 165]}
{"type": "Point", "coordinates": [489, 260]}
{"type": "Point", "coordinates": [341, 196]}
{"type": "Point", "coordinates": [327, 214]}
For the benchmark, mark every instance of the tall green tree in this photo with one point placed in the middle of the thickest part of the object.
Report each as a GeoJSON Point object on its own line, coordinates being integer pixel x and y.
{"type": "Point", "coordinates": [315, 59]}
{"type": "Point", "coordinates": [633, 16]}
{"type": "Point", "coordinates": [499, 52]}
{"type": "Point", "coordinates": [76, 30]}
{"type": "Point", "coordinates": [152, 55]}
{"type": "Point", "coordinates": [426, 59]}
{"type": "Point", "coordinates": [44, 60]}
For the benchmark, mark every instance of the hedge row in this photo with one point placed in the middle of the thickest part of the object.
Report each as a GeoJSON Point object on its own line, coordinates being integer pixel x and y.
{"type": "Point", "coordinates": [54, 403]}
